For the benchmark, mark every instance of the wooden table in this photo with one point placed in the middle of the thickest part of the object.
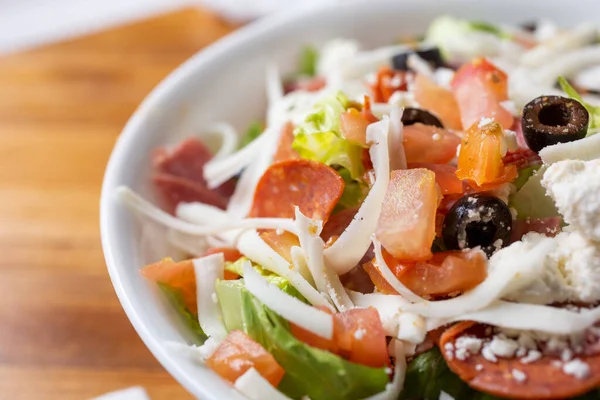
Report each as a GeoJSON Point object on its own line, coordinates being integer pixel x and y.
{"type": "Point", "coordinates": [63, 333]}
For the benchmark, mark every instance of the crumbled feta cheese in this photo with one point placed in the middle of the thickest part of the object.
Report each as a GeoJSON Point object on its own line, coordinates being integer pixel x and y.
{"type": "Point", "coordinates": [411, 328]}
{"type": "Point", "coordinates": [359, 334]}
{"type": "Point", "coordinates": [575, 188]}
{"type": "Point", "coordinates": [488, 354]}
{"type": "Point", "coordinates": [484, 121]}
{"type": "Point", "coordinates": [466, 346]}
{"type": "Point", "coordinates": [532, 356]}
{"type": "Point", "coordinates": [478, 367]}
{"type": "Point", "coordinates": [519, 375]}
{"type": "Point", "coordinates": [576, 368]}
{"type": "Point", "coordinates": [511, 140]}
{"type": "Point", "coordinates": [503, 347]}
{"type": "Point", "coordinates": [436, 137]}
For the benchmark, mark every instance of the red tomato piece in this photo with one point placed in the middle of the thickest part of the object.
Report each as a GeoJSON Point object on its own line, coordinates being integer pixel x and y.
{"type": "Point", "coordinates": [361, 338]}
{"type": "Point", "coordinates": [406, 226]}
{"type": "Point", "coordinates": [314, 340]}
{"type": "Point", "coordinates": [178, 275]}
{"type": "Point", "coordinates": [230, 255]}
{"type": "Point", "coordinates": [386, 83]}
{"type": "Point", "coordinates": [353, 125]}
{"type": "Point", "coordinates": [282, 243]}
{"type": "Point", "coordinates": [238, 353]}
{"type": "Point", "coordinates": [439, 101]}
{"type": "Point", "coordinates": [479, 88]}
{"type": "Point", "coordinates": [445, 177]}
{"type": "Point", "coordinates": [480, 156]}
{"type": "Point", "coordinates": [378, 280]}
{"type": "Point", "coordinates": [429, 144]}
{"type": "Point", "coordinates": [284, 149]}
{"type": "Point", "coordinates": [312, 186]}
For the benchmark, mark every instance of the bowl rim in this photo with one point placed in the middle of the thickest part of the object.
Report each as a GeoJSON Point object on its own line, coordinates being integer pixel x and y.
{"type": "Point", "coordinates": [131, 133]}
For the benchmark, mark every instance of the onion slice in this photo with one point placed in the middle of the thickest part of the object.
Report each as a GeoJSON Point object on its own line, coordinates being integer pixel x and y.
{"type": "Point", "coordinates": [208, 270]}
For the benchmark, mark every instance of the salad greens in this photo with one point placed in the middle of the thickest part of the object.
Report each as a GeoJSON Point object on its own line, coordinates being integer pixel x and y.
{"type": "Point", "coordinates": [531, 200]}
{"type": "Point", "coordinates": [252, 132]}
{"type": "Point", "coordinates": [524, 175]}
{"type": "Point", "coordinates": [176, 299]}
{"type": "Point", "coordinates": [308, 61]}
{"type": "Point", "coordinates": [354, 193]}
{"type": "Point", "coordinates": [594, 111]}
{"type": "Point", "coordinates": [316, 373]}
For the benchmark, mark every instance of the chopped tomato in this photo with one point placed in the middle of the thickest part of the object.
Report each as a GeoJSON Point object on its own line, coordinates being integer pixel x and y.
{"type": "Point", "coordinates": [387, 82]}
{"type": "Point", "coordinates": [314, 340]}
{"type": "Point", "coordinates": [358, 337]}
{"type": "Point", "coordinates": [480, 156]}
{"type": "Point", "coordinates": [445, 176]}
{"type": "Point", "coordinates": [230, 255]}
{"type": "Point", "coordinates": [429, 144]}
{"type": "Point", "coordinates": [366, 111]}
{"type": "Point", "coordinates": [479, 88]}
{"type": "Point", "coordinates": [178, 275]}
{"type": "Point", "coordinates": [406, 226]}
{"type": "Point", "coordinates": [284, 149]}
{"type": "Point", "coordinates": [281, 242]}
{"type": "Point", "coordinates": [445, 273]}
{"type": "Point", "coordinates": [238, 353]}
{"type": "Point", "coordinates": [439, 101]}
{"type": "Point", "coordinates": [353, 125]}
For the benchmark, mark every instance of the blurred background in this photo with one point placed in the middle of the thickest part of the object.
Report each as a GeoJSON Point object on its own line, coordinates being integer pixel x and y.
{"type": "Point", "coordinates": [71, 73]}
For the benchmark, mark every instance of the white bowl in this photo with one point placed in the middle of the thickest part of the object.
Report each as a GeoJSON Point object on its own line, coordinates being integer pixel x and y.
{"type": "Point", "coordinates": [226, 82]}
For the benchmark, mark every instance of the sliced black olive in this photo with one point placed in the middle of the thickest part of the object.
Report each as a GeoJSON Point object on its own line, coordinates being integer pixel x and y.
{"type": "Point", "coordinates": [414, 115]}
{"type": "Point", "coordinates": [431, 55]}
{"type": "Point", "coordinates": [549, 120]}
{"type": "Point", "coordinates": [477, 220]}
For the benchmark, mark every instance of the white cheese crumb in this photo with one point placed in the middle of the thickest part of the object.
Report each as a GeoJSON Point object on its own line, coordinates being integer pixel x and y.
{"type": "Point", "coordinates": [484, 121]}
{"type": "Point", "coordinates": [576, 368]}
{"type": "Point", "coordinates": [566, 355]}
{"type": "Point", "coordinates": [411, 328]}
{"type": "Point", "coordinates": [503, 347]}
{"type": "Point", "coordinates": [466, 346]}
{"type": "Point", "coordinates": [519, 375]}
{"type": "Point", "coordinates": [511, 140]}
{"type": "Point", "coordinates": [478, 367]}
{"type": "Point", "coordinates": [487, 353]}
{"type": "Point", "coordinates": [436, 137]}
{"type": "Point", "coordinates": [532, 356]}
{"type": "Point", "coordinates": [359, 334]}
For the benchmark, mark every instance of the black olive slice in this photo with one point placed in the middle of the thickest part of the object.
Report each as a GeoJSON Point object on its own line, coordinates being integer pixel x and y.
{"type": "Point", "coordinates": [477, 220]}
{"type": "Point", "coordinates": [549, 120]}
{"type": "Point", "coordinates": [432, 55]}
{"type": "Point", "coordinates": [414, 115]}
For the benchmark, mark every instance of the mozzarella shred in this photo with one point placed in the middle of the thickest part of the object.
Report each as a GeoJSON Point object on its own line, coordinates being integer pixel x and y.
{"type": "Point", "coordinates": [208, 270]}
{"type": "Point", "coordinates": [535, 317]}
{"type": "Point", "coordinates": [507, 274]}
{"type": "Point", "coordinates": [251, 245]}
{"type": "Point", "coordinates": [288, 307]}
{"type": "Point", "coordinates": [389, 276]}
{"type": "Point", "coordinates": [252, 385]}
{"type": "Point", "coordinates": [346, 252]}
{"type": "Point", "coordinates": [585, 149]}
{"type": "Point", "coordinates": [394, 388]}
{"type": "Point", "coordinates": [326, 280]}
{"type": "Point", "coordinates": [132, 393]}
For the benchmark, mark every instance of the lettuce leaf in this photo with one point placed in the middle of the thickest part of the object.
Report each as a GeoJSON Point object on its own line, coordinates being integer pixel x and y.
{"type": "Point", "coordinates": [319, 137]}
{"type": "Point", "coordinates": [175, 297]}
{"type": "Point", "coordinates": [279, 281]}
{"type": "Point", "coordinates": [309, 371]}
{"type": "Point", "coordinates": [531, 200]}
{"type": "Point", "coordinates": [594, 111]}
{"type": "Point", "coordinates": [354, 193]}
{"type": "Point", "coordinates": [524, 175]}
{"type": "Point", "coordinates": [308, 61]}
{"type": "Point", "coordinates": [252, 132]}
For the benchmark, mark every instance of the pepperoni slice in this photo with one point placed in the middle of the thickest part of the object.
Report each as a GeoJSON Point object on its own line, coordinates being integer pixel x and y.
{"type": "Point", "coordinates": [175, 190]}
{"type": "Point", "coordinates": [185, 161]}
{"type": "Point", "coordinates": [544, 379]}
{"type": "Point", "coordinates": [337, 224]}
{"type": "Point", "coordinates": [310, 185]}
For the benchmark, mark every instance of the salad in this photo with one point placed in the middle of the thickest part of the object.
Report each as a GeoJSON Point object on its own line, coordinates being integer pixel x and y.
{"type": "Point", "coordinates": [417, 221]}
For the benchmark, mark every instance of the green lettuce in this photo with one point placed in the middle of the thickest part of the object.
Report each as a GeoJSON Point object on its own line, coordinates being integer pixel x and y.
{"type": "Point", "coordinates": [354, 193]}
{"type": "Point", "coordinates": [253, 131]}
{"type": "Point", "coordinates": [175, 298]}
{"type": "Point", "coordinates": [309, 371]}
{"type": "Point", "coordinates": [524, 175]}
{"type": "Point", "coordinates": [279, 281]}
{"type": "Point", "coordinates": [594, 111]}
{"type": "Point", "coordinates": [319, 137]}
{"type": "Point", "coordinates": [531, 200]}
{"type": "Point", "coordinates": [308, 61]}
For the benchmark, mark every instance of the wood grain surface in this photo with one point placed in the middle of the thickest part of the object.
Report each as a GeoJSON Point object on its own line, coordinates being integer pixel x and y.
{"type": "Point", "coordinates": [63, 333]}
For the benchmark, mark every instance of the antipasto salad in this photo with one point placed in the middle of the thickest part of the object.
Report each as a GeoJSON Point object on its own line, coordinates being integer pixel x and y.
{"type": "Point", "coordinates": [417, 221]}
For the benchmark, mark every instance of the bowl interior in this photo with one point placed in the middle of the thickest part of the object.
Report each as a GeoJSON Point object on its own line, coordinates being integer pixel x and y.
{"type": "Point", "coordinates": [226, 83]}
